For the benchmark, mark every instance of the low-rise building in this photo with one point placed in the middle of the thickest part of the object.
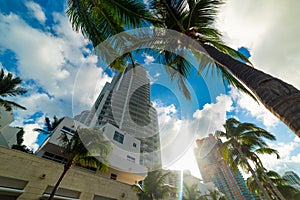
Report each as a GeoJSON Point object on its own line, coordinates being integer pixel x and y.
{"type": "Point", "coordinates": [25, 176]}
{"type": "Point", "coordinates": [124, 160]}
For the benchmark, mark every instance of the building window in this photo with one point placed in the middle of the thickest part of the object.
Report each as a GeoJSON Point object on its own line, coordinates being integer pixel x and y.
{"type": "Point", "coordinates": [113, 176]}
{"type": "Point", "coordinates": [130, 158]}
{"type": "Point", "coordinates": [134, 144]}
{"type": "Point", "coordinates": [68, 130]}
{"type": "Point", "coordinates": [118, 137]}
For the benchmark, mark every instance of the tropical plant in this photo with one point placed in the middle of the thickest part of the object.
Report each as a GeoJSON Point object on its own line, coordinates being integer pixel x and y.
{"type": "Point", "coordinates": [243, 141]}
{"type": "Point", "coordinates": [99, 20]}
{"type": "Point", "coordinates": [191, 192]}
{"type": "Point", "coordinates": [154, 186]}
{"type": "Point", "coordinates": [49, 126]}
{"type": "Point", "coordinates": [286, 190]}
{"type": "Point", "coordinates": [215, 195]}
{"type": "Point", "coordinates": [9, 86]}
{"type": "Point", "coordinates": [93, 152]}
{"type": "Point", "coordinates": [20, 139]}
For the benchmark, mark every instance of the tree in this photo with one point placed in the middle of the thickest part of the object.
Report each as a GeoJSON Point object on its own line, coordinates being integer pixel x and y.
{"type": "Point", "coordinates": [99, 20]}
{"type": "Point", "coordinates": [154, 186]}
{"type": "Point", "coordinates": [288, 191]}
{"type": "Point", "coordinates": [191, 192]}
{"type": "Point", "coordinates": [20, 139]}
{"type": "Point", "coordinates": [49, 126]}
{"type": "Point", "coordinates": [243, 140]}
{"type": "Point", "coordinates": [9, 87]}
{"type": "Point", "coordinates": [93, 152]}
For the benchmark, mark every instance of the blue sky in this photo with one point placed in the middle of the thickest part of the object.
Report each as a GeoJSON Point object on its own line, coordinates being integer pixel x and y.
{"type": "Point", "coordinates": [63, 76]}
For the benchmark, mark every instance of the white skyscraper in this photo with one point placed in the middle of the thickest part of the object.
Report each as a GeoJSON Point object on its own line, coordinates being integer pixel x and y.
{"type": "Point", "coordinates": [125, 103]}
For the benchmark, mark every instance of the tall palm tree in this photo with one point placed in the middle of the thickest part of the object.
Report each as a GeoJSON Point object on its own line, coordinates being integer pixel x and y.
{"type": "Point", "coordinates": [100, 19]}
{"type": "Point", "coordinates": [9, 86]}
{"type": "Point", "coordinates": [281, 183]}
{"type": "Point", "coordinates": [242, 139]}
{"type": "Point", "coordinates": [49, 126]}
{"type": "Point", "coordinates": [253, 156]}
{"type": "Point", "coordinates": [154, 186]}
{"type": "Point", "coordinates": [79, 152]}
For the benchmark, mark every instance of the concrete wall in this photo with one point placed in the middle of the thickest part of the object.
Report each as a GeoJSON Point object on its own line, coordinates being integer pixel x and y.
{"type": "Point", "coordinates": [27, 167]}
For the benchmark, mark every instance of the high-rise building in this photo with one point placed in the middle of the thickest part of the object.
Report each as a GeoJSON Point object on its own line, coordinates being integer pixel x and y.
{"type": "Point", "coordinates": [293, 179]}
{"type": "Point", "coordinates": [214, 169]}
{"type": "Point", "coordinates": [8, 134]}
{"type": "Point", "coordinates": [125, 103]}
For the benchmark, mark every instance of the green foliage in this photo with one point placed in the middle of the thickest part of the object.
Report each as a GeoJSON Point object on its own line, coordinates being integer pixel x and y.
{"type": "Point", "coordinates": [86, 147]}
{"type": "Point", "coordinates": [49, 126]}
{"type": "Point", "coordinates": [9, 87]}
{"type": "Point", "coordinates": [249, 138]}
{"type": "Point", "coordinates": [100, 20]}
{"type": "Point", "coordinates": [154, 186]}
{"type": "Point", "coordinates": [191, 192]}
{"type": "Point", "coordinates": [282, 184]}
{"type": "Point", "coordinates": [20, 139]}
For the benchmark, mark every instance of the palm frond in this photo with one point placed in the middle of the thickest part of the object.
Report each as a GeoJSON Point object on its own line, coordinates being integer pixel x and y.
{"type": "Point", "coordinates": [10, 104]}
{"type": "Point", "coordinates": [267, 150]}
{"type": "Point", "coordinates": [203, 12]}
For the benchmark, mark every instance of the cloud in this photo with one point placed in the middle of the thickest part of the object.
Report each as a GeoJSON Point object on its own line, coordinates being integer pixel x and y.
{"type": "Point", "coordinates": [247, 106]}
{"type": "Point", "coordinates": [36, 11]}
{"type": "Point", "coordinates": [289, 159]}
{"type": "Point", "coordinates": [60, 70]}
{"type": "Point", "coordinates": [269, 31]}
{"type": "Point", "coordinates": [148, 59]}
{"type": "Point", "coordinates": [178, 135]}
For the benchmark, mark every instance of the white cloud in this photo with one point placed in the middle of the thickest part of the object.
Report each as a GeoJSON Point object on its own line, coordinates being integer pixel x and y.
{"type": "Point", "coordinates": [65, 71]}
{"type": "Point", "coordinates": [289, 159]}
{"type": "Point", "coordinates": [178, 136]}
{"type": "Point", "coordinates": [213, 115]}
{"type": "Point", "coordinates": [148, 59]}
{"type": "Point", "coordinates": [247, 105]}
{"type": "Point", "coordinates": [157, 75]}
{"type": "Point", "coordinates": [36, 11]}
{"type": "Point", "coordinates": [297, 139]}
{"type": "Point", "coordinates": [269, 30]}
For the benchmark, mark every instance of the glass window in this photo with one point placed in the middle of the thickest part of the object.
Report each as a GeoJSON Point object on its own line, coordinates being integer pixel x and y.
{"type": "Point", "coordinates": [118, 137]}
{"type": "Point", "coordinates": [113, 176]}
{"type": "Point", "coordinates": [134, 144]}
{"type": "Point", "coordinates": [130, 158]}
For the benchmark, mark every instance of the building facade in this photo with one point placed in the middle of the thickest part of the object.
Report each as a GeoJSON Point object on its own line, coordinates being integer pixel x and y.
{"type": "Point", "coordinates": [25, 176]}
{"type": "Point", "coordinates": [293, 179]}
{"type": "Point", "coordinates": [123, 161]}
{"type": "Point", "coordinates": [125, 103]}
{"type": "Point", "coordinates": [8, 134]}
{"type": "Point", "coordinates": [214, 169]}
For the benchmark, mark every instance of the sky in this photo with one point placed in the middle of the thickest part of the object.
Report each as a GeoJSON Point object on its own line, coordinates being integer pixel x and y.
{"type": "Point", "coordinates": [62, 75]}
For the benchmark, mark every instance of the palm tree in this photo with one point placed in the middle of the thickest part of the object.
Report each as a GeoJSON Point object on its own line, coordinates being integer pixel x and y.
{"type": "Point", "coordinates": [9, 87]}
{"type": "Point", "coordinates": [99, 20]}
{"type": "Point", "coordinates": [20, 139]}
{"type": "Point", "coordinates": [287, 191]}
{"type": "Point", "coordinates": [79, 152]}
{"type": "Point", "coordinates": [216, 195]}
{"type": "Point", "coordinates": [243, 141]}
{"type": "Point", "coordinates": [49, 126]}
{"type": "Point", "coordinates": [154, 186]}
{"type": "Point", "coordinates": [191, 192]}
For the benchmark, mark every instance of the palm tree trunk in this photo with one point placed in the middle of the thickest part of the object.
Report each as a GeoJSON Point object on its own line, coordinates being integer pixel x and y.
{"type": "Point", "coordinates": [66, 168]}
{"type": "Point", "coordinates": [282, 99]}
{"type": "Point", "coordinates": [265, 194]}
{"type": "Point", "coordinates": [274, 188]}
